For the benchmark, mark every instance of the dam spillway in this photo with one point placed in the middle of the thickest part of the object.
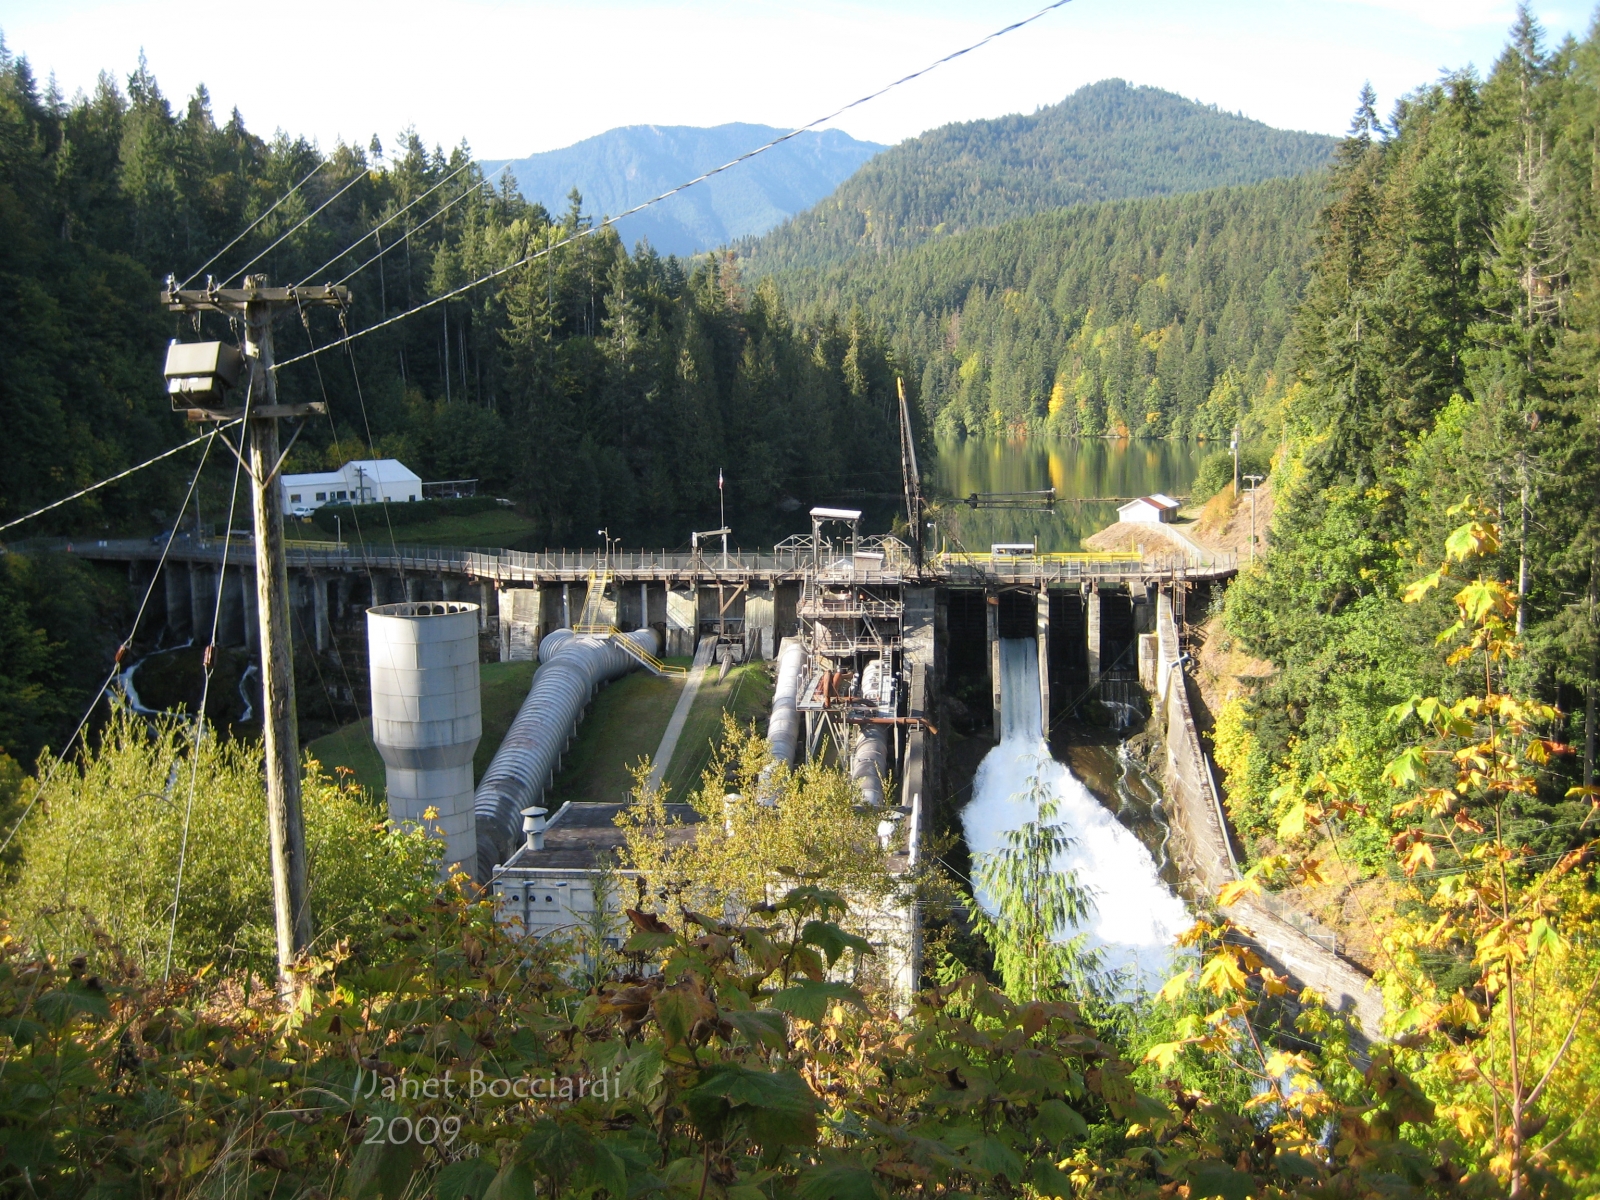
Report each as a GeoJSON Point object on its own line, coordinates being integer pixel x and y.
{"type": "Point", "coordinates": [1135, 915]}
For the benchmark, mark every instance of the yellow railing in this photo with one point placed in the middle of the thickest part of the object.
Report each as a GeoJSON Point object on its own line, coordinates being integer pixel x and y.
{"type": "Point", "coordinates": [629, 646]}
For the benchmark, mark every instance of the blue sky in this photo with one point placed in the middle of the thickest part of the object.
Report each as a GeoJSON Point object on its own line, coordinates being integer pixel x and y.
{"type": "Point", "coordinates": [517, 76]}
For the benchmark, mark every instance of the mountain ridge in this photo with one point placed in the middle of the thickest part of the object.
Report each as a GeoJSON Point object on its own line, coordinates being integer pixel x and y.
{"type": "Point", "coordinates": [622, 167]}
{"type": "Point", "coordinates": [1109, 140]}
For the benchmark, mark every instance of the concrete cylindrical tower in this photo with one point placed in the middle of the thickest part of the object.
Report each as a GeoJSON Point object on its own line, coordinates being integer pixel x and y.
{"type": "Point", "coordinates": [427, 715]}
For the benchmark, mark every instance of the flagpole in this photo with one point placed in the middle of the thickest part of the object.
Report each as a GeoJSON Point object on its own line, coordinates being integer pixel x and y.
{"type": "Point", "coordinates": [722, 513]}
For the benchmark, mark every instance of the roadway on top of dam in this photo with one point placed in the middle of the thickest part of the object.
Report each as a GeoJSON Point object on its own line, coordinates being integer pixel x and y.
{"type": "Point", "coordinates": [880, 560]}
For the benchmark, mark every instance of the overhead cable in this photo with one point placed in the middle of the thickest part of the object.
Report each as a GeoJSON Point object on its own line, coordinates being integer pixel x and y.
{"type": "Point", "coordinates": [395, 245]}
{"type": "Point", "coordinates": [246, 231]}
{"type": "Point", "coordinates": [119, 475]}
{"type": "Point", "coordinates": [309, 217]}
{"type": "Point", "coordinates": [387, 221]}
{"type": "Point", "coordinates": [777, 141]}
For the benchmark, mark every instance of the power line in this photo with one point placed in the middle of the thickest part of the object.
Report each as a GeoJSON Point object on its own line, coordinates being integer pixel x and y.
{"type": "Point", "coordinates": [257, 221]}
{"type": "Point", "coordinates": [386, 222]}
{"type": "Point", "coordinates": [116, 666]}
{"type": "Point", "coordinates": [777, 141]}
{"type": "Point", "coordinates": [355, 179]}
{"type": "Point", "coordinates": [120, 475]}
{"type": "Point", "coordinates": [397, 244]}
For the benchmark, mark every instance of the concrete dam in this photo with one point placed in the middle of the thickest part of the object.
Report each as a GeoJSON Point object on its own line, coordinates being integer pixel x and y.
{"type": "Point", "coordinates": [874, 652]}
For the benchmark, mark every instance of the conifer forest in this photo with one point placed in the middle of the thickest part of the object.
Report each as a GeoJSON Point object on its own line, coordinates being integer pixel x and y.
{"type": "Point", "coordinates": [1396, 686]}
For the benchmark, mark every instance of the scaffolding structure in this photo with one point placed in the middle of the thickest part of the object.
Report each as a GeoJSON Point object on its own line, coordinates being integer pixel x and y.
{"type": "Point", "coordinates": [851, 610]}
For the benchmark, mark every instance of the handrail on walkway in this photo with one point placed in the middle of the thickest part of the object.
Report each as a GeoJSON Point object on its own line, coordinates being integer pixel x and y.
{"type": "Point", "coordinates": [791, 558]}
{"type": "Point", "coordinates": [631, 647]}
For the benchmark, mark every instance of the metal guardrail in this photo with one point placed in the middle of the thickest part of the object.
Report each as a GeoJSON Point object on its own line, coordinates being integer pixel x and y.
{"type": "Point", "coordinates": [790, 559]}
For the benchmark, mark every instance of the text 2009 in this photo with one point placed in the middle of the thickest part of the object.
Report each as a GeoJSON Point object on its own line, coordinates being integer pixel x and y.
{"type": "Point", "coordinates": [425, 1130]}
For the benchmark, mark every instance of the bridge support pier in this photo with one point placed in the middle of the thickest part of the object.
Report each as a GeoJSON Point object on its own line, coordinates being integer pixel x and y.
{"type": "Point", "coordinates": [252, 615]}
{"type": "Point", "coordinates": [202, 590]}
{"type": "Point", "coordinates": [1044, 663]}
{"type": "Point", "coordinates": [1091, 621]}
{"type": "Point", "coordinates": [413, 587]}
{"type": "Point", "coordinates": [175, 587]}
{"type": "Point", "coordinates": [520, 623]}
{"type": "Point", "coordinates": [230, 620]}
{"type": "Point", "coordinates": [683, 621]}
{"type": "Point", "coordinates": [319, 609]}
{"type": "Point", "coordinates": [992, 612]}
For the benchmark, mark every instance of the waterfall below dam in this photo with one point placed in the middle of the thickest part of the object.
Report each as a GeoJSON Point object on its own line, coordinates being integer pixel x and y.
{"type": "Point", "coordinates": [1136, 916]}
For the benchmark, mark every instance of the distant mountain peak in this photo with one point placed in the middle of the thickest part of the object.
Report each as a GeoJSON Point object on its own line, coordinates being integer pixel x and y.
{"type": "Point", "coordinates": [1106, 141]}
{"type": "Point", "coordinates": [620, 168]}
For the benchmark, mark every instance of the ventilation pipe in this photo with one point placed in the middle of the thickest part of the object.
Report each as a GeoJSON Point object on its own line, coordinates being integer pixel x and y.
{"type": "Point", "coordinates": [869, 763]}
{"type": "Point", "coordinates": [427, 715]}
{"type": "Point", "coordinates": [571, 667]}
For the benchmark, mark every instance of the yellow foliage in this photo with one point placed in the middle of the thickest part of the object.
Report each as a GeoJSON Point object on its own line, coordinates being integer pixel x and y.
{"type": "Point", "coordinates": [1058, 396]}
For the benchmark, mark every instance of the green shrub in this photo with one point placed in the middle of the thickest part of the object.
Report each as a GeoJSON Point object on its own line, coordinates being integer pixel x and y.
{"type": "Point", "coordinates": [100, 853]}
{"type": "Point", "coordinates": [1216, 472]}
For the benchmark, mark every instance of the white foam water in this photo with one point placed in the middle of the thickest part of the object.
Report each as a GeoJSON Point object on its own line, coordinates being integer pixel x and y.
{"type": "Point", "coordinates": [1135, 916]}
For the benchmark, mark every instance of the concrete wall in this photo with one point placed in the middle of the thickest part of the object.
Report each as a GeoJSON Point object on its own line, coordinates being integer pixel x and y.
{"type": "Point", "coordinates": [759, 614]}
{"type": "Point", "coordinates": [520, 624]}
{"type": "Point", "coordinates": [1200, 841]}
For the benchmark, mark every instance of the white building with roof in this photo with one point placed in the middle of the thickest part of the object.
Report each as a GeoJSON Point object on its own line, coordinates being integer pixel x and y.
{"type": "Point", "coordinates": [364, 481]}
{"type": "Point", "coordinates": [1149, 510]}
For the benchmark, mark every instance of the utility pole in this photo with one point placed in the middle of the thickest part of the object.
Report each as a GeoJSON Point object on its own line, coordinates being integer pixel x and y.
{"type": "Point", "coordinates": [263, 457]}
{"type": "Point", "coordinates": [1254, 482]}
{"type": "Point", "coordinates": [911, 477]}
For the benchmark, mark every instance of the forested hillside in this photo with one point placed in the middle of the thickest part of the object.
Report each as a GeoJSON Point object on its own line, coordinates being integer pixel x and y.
{"type": "Point", "coordinates": [1417, 752]}
{"type": "Point", "coordinates": [594, 388]}
{"type": "Point", "coordinates": [591, 386]}
{"type": "Point", "coordinates": [620, 168]}
{"type": "Point", "coordinates": [1146, 317]}
{"type": "Point", "coordinates": [1104, 142]}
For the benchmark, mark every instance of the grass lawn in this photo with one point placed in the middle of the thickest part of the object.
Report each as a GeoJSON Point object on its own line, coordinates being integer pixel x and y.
{"type": "Point", "coordinates": [746, 693]}
{"type": "Point", "coordinates": [498, 528]}
{"type": "Point", "coordinates": [624, 724]}
{"type": "Point", "coordinates": [505, 686]}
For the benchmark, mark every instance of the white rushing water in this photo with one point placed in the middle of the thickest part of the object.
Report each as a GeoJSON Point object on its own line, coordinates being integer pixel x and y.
{"type": "Point", "coordinates": [1136, 916]}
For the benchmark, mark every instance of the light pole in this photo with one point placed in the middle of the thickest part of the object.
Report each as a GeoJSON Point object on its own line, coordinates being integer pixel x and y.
{"type": "Point", "coordinates": [1254, 481]}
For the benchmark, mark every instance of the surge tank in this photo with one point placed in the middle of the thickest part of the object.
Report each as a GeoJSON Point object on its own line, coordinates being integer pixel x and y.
{"type": "Point", "coordinates": [427, 714]}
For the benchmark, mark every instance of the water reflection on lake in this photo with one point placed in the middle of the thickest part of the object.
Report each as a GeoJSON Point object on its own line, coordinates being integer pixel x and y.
{"type": "Point", "coordinates": [1077, 469]}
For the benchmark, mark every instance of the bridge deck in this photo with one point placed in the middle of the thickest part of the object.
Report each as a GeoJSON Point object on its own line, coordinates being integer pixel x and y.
{"type": "Point", "coordinates": [786, 563]}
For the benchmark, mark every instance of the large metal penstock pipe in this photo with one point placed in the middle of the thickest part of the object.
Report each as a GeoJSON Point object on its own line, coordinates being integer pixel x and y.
{"type": "Point", "coordinates": [783, 727]}
{"type": "Point", "coordinates": [427, 714]}
{"type": "Point", "coordinates": [870, 763]}
{"type": "Point", "coordinates": [571, 667]}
